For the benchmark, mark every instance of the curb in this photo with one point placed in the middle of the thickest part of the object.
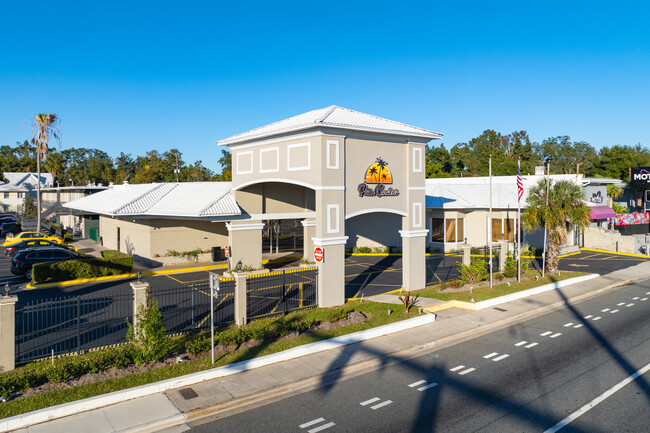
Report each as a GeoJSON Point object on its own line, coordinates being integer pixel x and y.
{"type": "Point", "coordinates": [614, 252]}
{"type": "Point", "coordinates": [72, 408]}
{"type": "Point", "coordinates": [475, 306]}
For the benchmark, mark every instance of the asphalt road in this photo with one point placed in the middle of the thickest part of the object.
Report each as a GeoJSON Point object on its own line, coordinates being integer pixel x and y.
{"type": "Point", "coordinates": [526, 377]}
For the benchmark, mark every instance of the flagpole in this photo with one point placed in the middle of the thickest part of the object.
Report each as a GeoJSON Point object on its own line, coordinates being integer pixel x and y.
{"type": "Point", "coordinates": [518, 222]}
{"type": "Point", "coordinates": [490, 223]}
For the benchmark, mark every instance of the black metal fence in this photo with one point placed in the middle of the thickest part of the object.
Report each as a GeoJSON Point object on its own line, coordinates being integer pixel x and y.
{"type": "Point", "coordinates": [281, 292]}
{"type": "Point", "coordinates": [70, 324]}
{"type": "Point", "coordinates": [186, 307]}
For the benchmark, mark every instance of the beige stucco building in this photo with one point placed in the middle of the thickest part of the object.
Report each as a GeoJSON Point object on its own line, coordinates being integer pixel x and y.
{"type": "Point", "coordinates": [17, 186]}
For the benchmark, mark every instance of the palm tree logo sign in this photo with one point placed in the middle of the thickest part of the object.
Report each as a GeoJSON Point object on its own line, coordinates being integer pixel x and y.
{"type": "Point", "coordinates": [378, 172]}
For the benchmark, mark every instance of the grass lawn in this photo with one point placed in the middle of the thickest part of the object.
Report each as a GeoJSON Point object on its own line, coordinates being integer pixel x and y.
{"type": "Point", "coordinates": [377, 313]}
{"type": "Point", "coordinates": [498, 289]}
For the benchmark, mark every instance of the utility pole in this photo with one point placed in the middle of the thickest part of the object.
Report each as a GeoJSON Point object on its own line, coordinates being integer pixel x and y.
{"type": "Point", "coordinates": [548, 173]}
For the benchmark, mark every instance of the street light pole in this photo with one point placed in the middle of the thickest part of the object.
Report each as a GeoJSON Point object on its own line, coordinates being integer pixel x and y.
{"type": "Point", "coordinates": [548, 173]}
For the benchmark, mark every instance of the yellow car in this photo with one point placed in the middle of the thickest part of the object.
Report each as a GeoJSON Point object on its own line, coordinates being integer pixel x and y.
{"type": "Point", "coordinates": [31, 235]}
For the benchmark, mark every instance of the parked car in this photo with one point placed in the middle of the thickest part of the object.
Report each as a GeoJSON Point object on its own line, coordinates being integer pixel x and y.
{"type": "Point", "coordinates": [22, 262]}
{"type": "Point", "coordinates": [9, 227]}
{"type": "Point", "coordinates": [12, 250]}
{"type": "Point", "coordinates": [31, 235]}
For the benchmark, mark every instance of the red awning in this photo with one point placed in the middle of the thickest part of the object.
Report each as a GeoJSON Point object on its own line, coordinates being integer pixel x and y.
{"type": "Point", "coordinates": [602, 212]}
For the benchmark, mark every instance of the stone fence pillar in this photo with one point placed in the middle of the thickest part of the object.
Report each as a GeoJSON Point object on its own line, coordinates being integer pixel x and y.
{"type": "Point", "coordinates": [503, 253]}
{"type": "Point", "coordinates": [467, 249]}
{"type": "Point", "coordinates": [240, 299]}
{"type": "Point", "coordinates": [139, 298]}
{"type": "Point", "coordinates": [8, 333]}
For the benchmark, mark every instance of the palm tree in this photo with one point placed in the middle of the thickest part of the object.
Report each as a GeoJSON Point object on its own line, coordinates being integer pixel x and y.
{"type": "Point", "coordinates": [44, 127]}
{"type": "Point", "coordinates": [382, 165]}
{"type": "Point", "coordinates": [373, 170]}
{"type": "Point", "coordinates": [565, 209]}
{"type": "Point", "coordinates": [55, 164]}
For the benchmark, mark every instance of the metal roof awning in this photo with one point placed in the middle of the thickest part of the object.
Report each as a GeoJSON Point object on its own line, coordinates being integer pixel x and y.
{"type": "Point", "coordinates": [602, 212]}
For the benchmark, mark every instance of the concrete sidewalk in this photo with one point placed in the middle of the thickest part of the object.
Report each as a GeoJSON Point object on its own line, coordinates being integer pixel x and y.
{"type": "Point", "coordinates": [236, 392]}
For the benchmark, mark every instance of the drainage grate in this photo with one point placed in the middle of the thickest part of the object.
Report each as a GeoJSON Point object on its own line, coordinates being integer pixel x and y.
{"type": "Point", "coordinates": [498, 309]}
{"type": "Point", "coordinates": [187, 393]}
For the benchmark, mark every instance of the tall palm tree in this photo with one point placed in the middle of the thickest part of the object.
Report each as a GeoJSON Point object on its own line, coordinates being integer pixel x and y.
{"type": "Point", "coordinates": [565, 209]}
{"type": "Point", "coordinates": [44, 127]}
{"type": "Point", "coordinates": [55, 164]}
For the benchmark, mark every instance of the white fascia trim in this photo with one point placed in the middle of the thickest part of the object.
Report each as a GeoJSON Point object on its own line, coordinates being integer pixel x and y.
{"type": "Point", "coordinates": [240, 154]}
{"type": "Point", "coordinates": [417, 160]}
{"type": "Point", "coordinates": [334, 166]}
{"type": "Point", "coordinates": [236, 146]}
{"type": "Point", "coordinates": [277, 160]}
{"type": "Point", "coordinates": [306, 223]}
{"type": "Point", "coordinates": [293, 182]}
{"type": "Point", "coordinates": [413, 233]}
{"type": "Point", "coordinates": [330, 241]}
{"type": "Point", "coordinates": [417, 188]}
{"type": "Point", "coordinates": [295, 146]}
{"type": "Point", "coordinates": [373, 210]}
{"type": "Point", "coordinates": [283, 216]}
{"type": "Point", "coordinates": [239, 227]}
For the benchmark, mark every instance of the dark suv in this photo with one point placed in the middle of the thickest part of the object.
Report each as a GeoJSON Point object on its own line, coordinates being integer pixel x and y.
{"type": "Point", "coordinates": [7, 227]}
{"type": "Point", "coordinates": [22, 262]}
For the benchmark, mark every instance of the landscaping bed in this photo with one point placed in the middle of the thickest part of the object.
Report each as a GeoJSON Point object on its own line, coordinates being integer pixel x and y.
{"type": "Point", "coordinates": [40, 384]}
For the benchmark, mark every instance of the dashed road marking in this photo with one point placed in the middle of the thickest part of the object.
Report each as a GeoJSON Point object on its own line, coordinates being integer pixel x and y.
{"type": "Point", "coordinates": [597, 318]}
{"type": "Point", "coordinates": [545, 333]}
{"type": "Point", "coordinates": [457, 368]}
{"type": "Point", "coordinates": [490, 355]}
{"type": "Point", "coordinates": [647, 293]}
{"type": "Point", "coordinates": [566, 325]}
{"type": "Point", "coordinates": [630, 304]}
{"type": "Point", "coordinates": [380, 405]}
{"type": "Point", "coordinates": [319, 428]}
{"type": "Point", "coordinates": [367, 402]}
{"type": "Point", "coordinates": [312, 422]}
{"type": "Point", "coordinates": [521, 343]}
{"type": "Point", "coordinates": [620, 303]}
{"type": "Point", "coordinates": [604, 310]}
{"type": "Point", "coordinates": [419, 382]}
{"type": "Point", "coordinates": [464, 372]}
{"type": "Point", "coordinates": [531, 345]}
{"type": "Point", "coordinates": [635, 298]}
{"type": "Point", "coordinates": [499, 358]}
{"type": "Point", "coordinates": [614, 311]}
{"type": "Point", "coordinates": [557, 334]}
{"type": "Point", "coordinates": [589, 316]}
{"type": "Point", "coordinates": [579, 325]}
{"type": "Point", "coordinates": [644, 299]}
{"type": "Point", "coordinates": [425, 387]}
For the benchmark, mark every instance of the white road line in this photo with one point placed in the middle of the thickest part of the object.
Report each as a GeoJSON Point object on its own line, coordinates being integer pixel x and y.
{"type": "Point", "coordinates": [425, 387]}
{"type": "Point", "coordinates": [644, 299]}
{"type": "Point", "coordinates": [556, 335]}
{"type": "Point", "coordinates": [597, 318]}
{"type": "Point", "coordinates": [367, 402]}
{"type": "Point", "coordinates": [605, 310]}
{"type": "Point", "coordinates": [568, 324]}
{"type": "Point", "coordinates": [647, 293]}
{"type": "Point", "coordinates": [614, 311]}
{"type": "Point", "coordinates": [457, 368]}
{"type": "Point", "coordinates": [464, 372]}
{"type": "Point", "coordinates": [490, 355]}
{"type": "Point", "coordinates": [579, 325]}
{"type": "Point", "coordinates": [321, 427]}
{"type": "Point", "coordinates": [499, 358]}
{"type": "Point", "coordinates": [310, 423]}
{"type": "Point", "coordinates": [635, 298]}
{"type": "Point", "coordinates": [630, 304]}
{"type": "Point", "coordinates": [419, 382]}
{"type": "Point", "coordinates": [589, 316]}
{"type": "Point", "coordinates": [380, 405]}
{"type": "Point", "coordinates": [620, 303]}
{"type": "Point", "coordinates": [521, 343]}
{"type": "Point", "coordinates": [531, 345]}
{"type": "Point", "coordinates": [545, 334]}
{"type": "Point", "coordinates": [597, 400]}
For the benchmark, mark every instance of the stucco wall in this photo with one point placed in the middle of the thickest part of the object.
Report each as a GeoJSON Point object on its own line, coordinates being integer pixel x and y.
{"type": "Point", "coordinates": [12, 203]}
{"type": "Point", "coordinates": [374, 230]}
{"type": "Point", "coordinates": [602, 239]}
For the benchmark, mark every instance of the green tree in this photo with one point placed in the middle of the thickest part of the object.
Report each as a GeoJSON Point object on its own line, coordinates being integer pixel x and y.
{"type": "Point", "coordinates": [226, 166]}
{"type": "Point", "coordinates": [55, 164]}
{"type": "Point", "coordinates": [566, 156]}
{"type": "Point", "coordinates": [565, 209]}
{"type": "Point", "coordinates": [44, 127]}
{"type": "Point", "coordinates": [438, 162]}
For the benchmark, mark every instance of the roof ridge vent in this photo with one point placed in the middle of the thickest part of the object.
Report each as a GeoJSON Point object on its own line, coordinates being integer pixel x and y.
{"type": "Point", "coordinates": [329, 111]}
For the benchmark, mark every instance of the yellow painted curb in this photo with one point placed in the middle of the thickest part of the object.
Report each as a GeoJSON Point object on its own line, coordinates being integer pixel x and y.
{"type": "Point", "coordinates": [373, 254]}
{"type": "Point", "coordinates": [614, 252]}
{"type": "Point", "coordinates": [450, 304]}
{"type": "Point", "coordinates": [569, 254]}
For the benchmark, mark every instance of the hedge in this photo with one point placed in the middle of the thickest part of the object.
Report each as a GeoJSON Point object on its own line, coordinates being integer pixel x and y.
{"type": "Point", "coordinates": [111, 263]}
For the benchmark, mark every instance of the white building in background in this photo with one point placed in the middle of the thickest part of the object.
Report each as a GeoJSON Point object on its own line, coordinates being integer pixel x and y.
{"type": "Point", "coordinates": [17, 185]}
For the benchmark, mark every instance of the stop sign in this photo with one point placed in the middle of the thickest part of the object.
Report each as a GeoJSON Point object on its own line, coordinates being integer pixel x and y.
{"type": "Point", "coordinates": [318, 255]}
{"type": "Point", "coordinates": [227, 251]}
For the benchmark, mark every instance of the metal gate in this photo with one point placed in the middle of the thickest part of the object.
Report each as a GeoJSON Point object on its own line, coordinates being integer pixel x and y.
{"type": "Point", "coordinates": [281, 292]}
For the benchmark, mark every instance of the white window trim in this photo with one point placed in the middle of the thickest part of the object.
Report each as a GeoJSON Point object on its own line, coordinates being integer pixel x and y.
{"type": "Point", "coordinates": [329, 156]}
{"type": "Point", "coordinates": [330, 227]}
{"type": "Point", "coordinates": [294, 146]}
{"type": "Point", "coordinates": [417, 214]}
{"type": "Point", "coordinates": [277, 160]}
{"type": "Point", "coordinates": [239, 155]}
{"type": "Point", "coordinates": [417, 160]}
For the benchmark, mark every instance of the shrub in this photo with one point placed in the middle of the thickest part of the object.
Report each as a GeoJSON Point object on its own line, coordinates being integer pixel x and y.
{"type": "Point", "coordinates": [362, 250]}
{"type": "Point", "coordinates": [498, 276]}
{"type": "Point", "coordinates": [68, 237]}
{"type": "Point", "coordinates": [510, 269]}
{"type": "Point", "coordinates": [111, 263]}
{"type": "Point", "coordinates": [474, 272]}
{"type": "Point", "coordinates": [147, 337]}
{"type": "Point", "coordinates": [455, 284]}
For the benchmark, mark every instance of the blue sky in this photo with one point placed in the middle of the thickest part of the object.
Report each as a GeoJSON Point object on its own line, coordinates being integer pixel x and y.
{"type": "Point", "coordinates": [136, 76]}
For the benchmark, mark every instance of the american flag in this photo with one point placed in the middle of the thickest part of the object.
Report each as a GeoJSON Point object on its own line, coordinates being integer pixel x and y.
{"type": "Point", "coordinates": [520, 184]}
